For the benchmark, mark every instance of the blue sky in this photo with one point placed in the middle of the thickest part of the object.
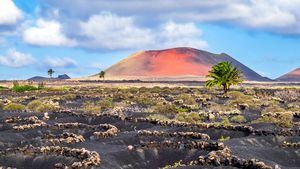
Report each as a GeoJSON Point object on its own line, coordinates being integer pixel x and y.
{"type": "Point", "coordinates": [82, 38]}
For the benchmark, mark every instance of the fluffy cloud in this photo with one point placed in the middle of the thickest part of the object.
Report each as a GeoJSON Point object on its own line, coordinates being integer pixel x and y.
{"type": "Point", "coordinates": [16, 59]}
{"type": "Point", "coordinates": [10, 14]}
{"type": "Point", "coordinates": [109, 31]}
{"type": "Point", "coordinates": [46, 33]}
{"type": "Point", "coordinates": [279, 16]}
{"type": "Point", "coordinates": [181, 34]}
{"type": "Point", "coordinates": [56, 62]}
{"type": "Point", "coordinates": [113, 32]}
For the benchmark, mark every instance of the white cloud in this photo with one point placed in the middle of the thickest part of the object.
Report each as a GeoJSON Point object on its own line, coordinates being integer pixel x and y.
{"type": "Point", "coordinates": [56, 62]}
{"type": "Point", "coordinates": [9, 13]}
{"type": "Point", "coordinates": [181, 35]}
{"type": "Point", "coordinates": [47, 33]}
{"type": "Point", "coordinates": [16, 59]}
{"type": "Point", "coordinates": [110, 31]}
{"type": "Point", "coordinates": [279, 16]}
{"type": "Point", "coordinates": [96, 65]}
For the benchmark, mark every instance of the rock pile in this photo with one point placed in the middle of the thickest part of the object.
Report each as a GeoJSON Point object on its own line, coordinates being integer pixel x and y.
{"type": "Point", "coordinates": [192, 135]}
{"type": "Point", "coordinates": [18, 119]}
{"type": "Point", "coordinates": [201, 145]}
{"type": "Point", "coordinates": [111, 131]}
{"type": "Point", "coordinates": [289, 144]}
{"type": "Point", "coordinates": [87, 158]}
{"type": "Point", "coordinates": [30, 122]}
{"type": "Point", "coordinates": [74, 125]}
{"type": "Point", "coordinates": [225, 158]}
{"type": "Point", "coordinates": [66, 137]}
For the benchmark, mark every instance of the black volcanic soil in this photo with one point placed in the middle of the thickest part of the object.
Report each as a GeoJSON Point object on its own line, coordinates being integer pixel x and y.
{"type": "Point", "coordinates": [115, 151]}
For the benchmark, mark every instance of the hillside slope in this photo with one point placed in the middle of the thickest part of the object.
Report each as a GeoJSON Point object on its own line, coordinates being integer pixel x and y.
{"type": "Point", "coordinates": [175, 62]}
{"type": "Point", "coordinates": [293, 76]}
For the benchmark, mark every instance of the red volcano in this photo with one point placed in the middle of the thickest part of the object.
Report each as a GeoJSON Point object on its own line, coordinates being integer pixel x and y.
{"type": "Point", "coordinates": [174, 62]}
{"type": "Point", "coordinates": [293, 76]}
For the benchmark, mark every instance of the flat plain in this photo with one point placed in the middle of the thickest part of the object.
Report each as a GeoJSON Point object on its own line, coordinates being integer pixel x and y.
{"type": "Point", "coordinates": [150, 125]}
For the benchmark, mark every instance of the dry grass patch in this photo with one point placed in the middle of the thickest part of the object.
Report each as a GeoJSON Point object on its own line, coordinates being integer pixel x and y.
{"type": "Point", "coordinates": [14, 107]}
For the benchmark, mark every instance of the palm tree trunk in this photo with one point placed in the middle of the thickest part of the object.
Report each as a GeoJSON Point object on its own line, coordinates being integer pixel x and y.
{"type": "Point", "coordinates": [225, 89]}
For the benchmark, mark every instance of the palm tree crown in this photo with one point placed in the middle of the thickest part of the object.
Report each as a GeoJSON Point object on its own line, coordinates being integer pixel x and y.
{"type": "Point", "coordinates": [224, 75]}
{"type": "Point", "coordinates": [50, 72]}
{"type": "Point", "coordinates": [102, 74]}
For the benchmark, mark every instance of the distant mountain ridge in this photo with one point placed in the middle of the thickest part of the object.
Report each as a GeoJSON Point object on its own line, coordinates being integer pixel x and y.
{"type": "Point", "coordinates": [183, 62]}
{"type": "Point", "coordinates": [41, 78]}
{"type": "Point", "coordinates": [293, 76]}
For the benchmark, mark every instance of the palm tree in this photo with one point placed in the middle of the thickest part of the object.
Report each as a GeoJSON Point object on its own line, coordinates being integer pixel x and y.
{"type": "Point", "coordinates": [50, 73]}
{"type": "Point", "coordinates": [224, 75]}
{"type": "Point", "coordinates": [102, 74]}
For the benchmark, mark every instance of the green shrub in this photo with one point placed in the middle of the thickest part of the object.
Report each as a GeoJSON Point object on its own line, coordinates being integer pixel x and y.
{"type": "Point", "coordinates": [144, 100]}
{"type": "Point", "coordinates": [225, 122]}
{"type": "Point", "coordinates": [91, 108]}
{"type": "Point", "coordinates": [68, 97]}
{"type": "Point", "coordinates": [33, 105]}
{"type": "Point", "coordinates": [189, 117]}
{"type": "Point", "coordinates": [45, 108]}
{"type": "Point", "coordinates": [285, 120]}
{"type": "Point", "coordinates": [166, 109]}
{"type": "Point", "coordinates": [3, 88]}
{"type": "Point", "coordinates": [14, 107]}
{"type": "Point", "coordinates": [158, 117]}
{"type": "Point", "coordinates": [187, 99]}
{"type": "Point", "coordinates": [106, 103]}
{"type": "Point", "coordinates": [223, 138]}
{"type": "Point", "coordinates": [39, 107]}
{"type": "Point", "coordinates": [155, 89]}
{"type": "Point", "coordinates": [273, 108]}
{"type": "Point", "coordinates": [238, 98]}
{"type": "Point", "coordinates": [181, 110]}
{"type": "Point", "coordinates": [20, 88]}
{"type": "Point", "coordinates": [178, 164]}
{"type": "Point", "coordinates": [58, 89]}
{"type": "Point", "coordinates": [282, 120]}
{"type": "Point", "coordinates": [238, 119]}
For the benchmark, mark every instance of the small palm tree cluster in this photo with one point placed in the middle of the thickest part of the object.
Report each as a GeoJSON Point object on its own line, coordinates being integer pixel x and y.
{"type": "Point", "coordinates": [102, 74]}
{"type": "Point", "coordinates": [50, 72]}
{"type": "Point", "coordinates": [224, 75]}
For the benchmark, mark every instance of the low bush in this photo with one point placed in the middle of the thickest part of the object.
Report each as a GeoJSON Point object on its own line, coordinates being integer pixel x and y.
{"type": "Point", "coordinates": [39, 107]}
{"type": "Point", "coordinates": [238, 119]}
{"type": "Point", "coordinates": [3, 88]}
{"type": "Point", "coordinates": [238, 98]}
{"type": "Point", "coordinates": [285, 120]}
{"type": "Point", "coordinates": [22, 88]}
{"type": "Point", "coordinates": [143, 100]}
{"type": "Point", "coordinates": [106, 103]}
{"type": "Point", "coordinates": [59, 89]}
{"type": "Point", "coordinates": [68, 97]}
{"type": "Point", "coordinates": [273, 108]}
{"type": "Point", "coordinates": [223, 138]}
{"type": "Point", "coordinates": [178, 164]}
{"type": "Point", "coordinates": [33, 105]}
{"type": "Point", "coordinates": [190, 117]}
{"type": "Point", "coordinates": [225, 122]}
{"type": "Point", "coordinates": [158, 117]}
{"type": "Point", "coordinates": [91, 108]}
{"type": "Point", "coordinates": [14, 107]}
{"type": "Point", "coordinates": [166, 109]}
{"type": "Point", "coordinates": [288, 95]}
{"type": "Point", "coordinates": [187, 99]}
{"type": "Point", "coordinates": [45, 108]}
{"type": "Point", "coordinates": [282, 119]}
